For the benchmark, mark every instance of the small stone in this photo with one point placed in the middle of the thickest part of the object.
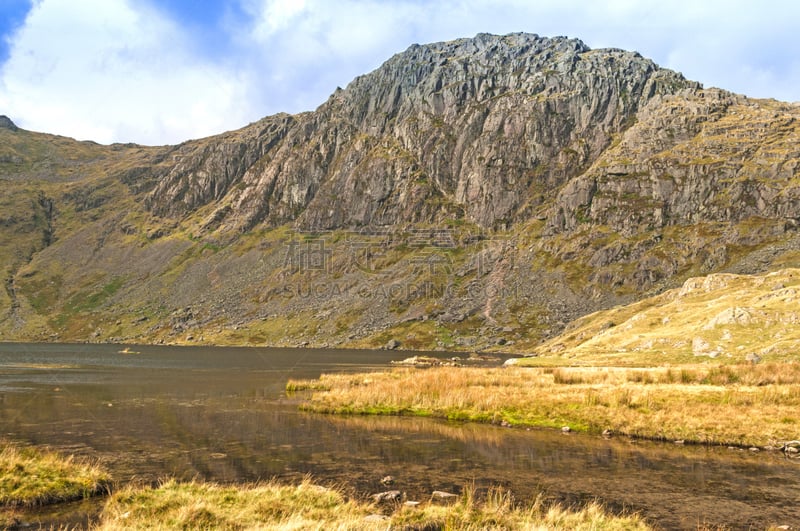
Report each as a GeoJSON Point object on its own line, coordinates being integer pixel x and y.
{"type": "Point", "coordinates": [387, 480]}
{"type": "Point", "coordinates": [388, 496]}
{"type": "Point", "coordinates": [566, 429]}
{"type": "Point", "coordinates": [680, 441]}
{"type": "Point", "coordinates": [792, 450]}
{"type": "Point", "coordinates": [753, 358]}
{"type": "Point", "coordinates": [505, 424]}
{"type": "Point", "coordinates": [754, 449]}
{"type": "Point", "coordinates": [607, 433]}
{"type": "Point", "coordinates": [443, 495]}
{"type": "Point", "coordinates": [376, 518]}
{"type": "Point", "coordinates": [411, 503]}
{"type": "Point", "coordinates": [392, 344]}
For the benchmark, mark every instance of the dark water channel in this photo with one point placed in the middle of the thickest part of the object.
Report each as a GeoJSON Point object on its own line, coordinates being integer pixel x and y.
{"type": "Point", "coordinates": [221, 414]}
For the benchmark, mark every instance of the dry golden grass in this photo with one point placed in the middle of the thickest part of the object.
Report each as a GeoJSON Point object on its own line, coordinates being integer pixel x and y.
{"type": "Point", "coordinates": [732, 405]}
{"type": "Point", "coordinates": [722, 316]}
{"type": "Point", "coordinates": [29, 477]}
{"type": "Point", "coordinates": [176, 505]}
{"type": "Point", "coordinates": [310, 507]}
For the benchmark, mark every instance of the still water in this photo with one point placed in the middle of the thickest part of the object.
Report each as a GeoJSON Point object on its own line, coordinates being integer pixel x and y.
{"type": "Point", "coordinates": [221, 414]}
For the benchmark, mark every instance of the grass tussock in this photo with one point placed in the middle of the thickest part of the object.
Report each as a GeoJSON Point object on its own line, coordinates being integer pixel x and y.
{"type": "Point", "coordinates": [731, 405]}
{"type": "Point", "coordinates": [310, 507]}
{"type": "Point", "coordinates": [176, 505]}
{"type": "Point", "coordinates": [499, 511]}
{"type": "Point", "coordinates": [748, 375]}
{"type": "Point", "coordinates": [30, 477]}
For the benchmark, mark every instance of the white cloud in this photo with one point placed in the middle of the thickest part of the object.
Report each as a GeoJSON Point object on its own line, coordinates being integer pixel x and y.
{"type": "Point", "coordinates": [108, 71]}
{"type": "Point", "coordinates": [734, 44]}
{"type": "Point", "coordinates": [274, 15]}
{"type": "Point", "coordinates": [118, 70]}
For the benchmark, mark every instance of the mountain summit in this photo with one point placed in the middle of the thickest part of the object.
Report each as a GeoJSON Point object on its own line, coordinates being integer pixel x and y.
{"type": "Point", "coordinates": [471, 194]}
{"type": "Point", "coordinates": [475, 129]}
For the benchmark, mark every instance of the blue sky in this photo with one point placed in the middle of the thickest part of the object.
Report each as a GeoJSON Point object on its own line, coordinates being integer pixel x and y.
{"type": "Point", "coordinates": [163, 71]}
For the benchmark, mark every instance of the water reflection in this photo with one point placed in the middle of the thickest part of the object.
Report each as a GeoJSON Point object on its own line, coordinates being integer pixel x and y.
{"type": "Point", "coordinates": [221, 414]}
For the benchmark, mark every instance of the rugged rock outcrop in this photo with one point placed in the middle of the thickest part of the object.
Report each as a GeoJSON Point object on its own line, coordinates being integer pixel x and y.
{"type": "Point", "coordinates": [695, 156]}
{"type": "Point", "coordinates": [478, 128]}
{"type": "Point", "coordinates": [6, 123]}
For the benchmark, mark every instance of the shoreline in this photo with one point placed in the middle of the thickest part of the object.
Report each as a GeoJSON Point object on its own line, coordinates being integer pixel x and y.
{"type": "Point", "coordinates": [307, 505]}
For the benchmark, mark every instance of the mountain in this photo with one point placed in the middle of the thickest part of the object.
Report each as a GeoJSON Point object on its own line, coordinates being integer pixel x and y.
{"type": "Point", "coordinates": [478, 193]}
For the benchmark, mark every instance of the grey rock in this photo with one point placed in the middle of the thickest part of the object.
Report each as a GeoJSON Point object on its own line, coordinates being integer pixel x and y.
{"type": "Point", "coordinates": [470, 123]}
{"type": "Point", "coordinates": [753, 358]}
{"type": "Point", "coordinates": [387, 496]}
{"type": "Point", "coordinates": [392, 344]}
{"type": "Point", "coordinates": [6, 123]}
{"type": "Point", "coordinates": [650, 181]}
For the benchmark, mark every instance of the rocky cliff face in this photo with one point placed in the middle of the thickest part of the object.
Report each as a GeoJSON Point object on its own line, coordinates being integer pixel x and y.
{"type": "Point", "coordinates": [475, 128]}
{"type": "Point", "coordinates": [472, 194]}
{"type": "Point", "coordinates": [697, 156]}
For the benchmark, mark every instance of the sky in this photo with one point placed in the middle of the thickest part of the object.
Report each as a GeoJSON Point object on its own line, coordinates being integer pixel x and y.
{"type": "Point", "coordinates": [164, 71]}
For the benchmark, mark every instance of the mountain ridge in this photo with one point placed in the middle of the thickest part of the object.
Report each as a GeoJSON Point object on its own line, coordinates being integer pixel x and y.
{"type": "Point", "coordinates": [399, 119]}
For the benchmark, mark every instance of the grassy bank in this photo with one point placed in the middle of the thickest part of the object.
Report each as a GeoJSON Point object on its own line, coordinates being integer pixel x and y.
{"type": "Point", "coordinates": [30, 477]}
{"type": "Point", "coordinates": [307, 507]}
{"type": "Point", "coordinates": [731, 405]}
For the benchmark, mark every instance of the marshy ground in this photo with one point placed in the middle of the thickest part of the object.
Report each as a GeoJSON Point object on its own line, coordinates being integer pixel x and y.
{"type": "Point", "coordinates": [741, 405]}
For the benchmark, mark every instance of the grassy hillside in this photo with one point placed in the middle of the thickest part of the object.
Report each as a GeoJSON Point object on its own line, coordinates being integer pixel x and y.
{"type": "Point", "coordinates": [725, 317]}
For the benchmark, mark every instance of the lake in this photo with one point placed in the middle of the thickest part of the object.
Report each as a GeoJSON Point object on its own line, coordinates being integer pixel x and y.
{"type": "Point", "coordinates": [222, 414]}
